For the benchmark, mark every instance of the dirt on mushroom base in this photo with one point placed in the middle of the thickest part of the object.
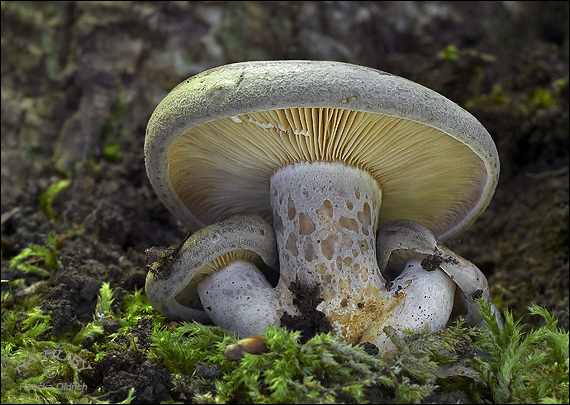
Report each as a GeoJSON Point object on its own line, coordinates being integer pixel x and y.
{"type": "Point", "coordinates": [309, 321]}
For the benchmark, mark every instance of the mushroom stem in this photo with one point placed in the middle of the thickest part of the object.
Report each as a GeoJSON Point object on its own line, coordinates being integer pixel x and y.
{"type": "Point", "coordinates": [426, 303]}
{"type": "Point", "coordinates": [239, 298]}
{"type": "Point", "coordinates": [325, 217]}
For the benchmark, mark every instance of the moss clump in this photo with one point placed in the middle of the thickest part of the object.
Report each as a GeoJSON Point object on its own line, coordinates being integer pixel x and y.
{"type": "Point", "coordinates": [184, 346]}
{"type": "Point", "coordinates": [32, 254]}
{"type": "Point", "coordinates": [497, 96]}
{"type": "Point", "coordinates": [530, 100]}
{"type": "Point", "coordinates": [30, 360]}
{"type": "Point", "coordinates": [483, 365]}
{"type": "Point", "coordinates": [518, 368]}
{"type": "Point", "coordinates": [47, 197]}
{"type": "Point", "coordinates": [37, 368]}
{"type": "Point", "coordinates": [323, 370]}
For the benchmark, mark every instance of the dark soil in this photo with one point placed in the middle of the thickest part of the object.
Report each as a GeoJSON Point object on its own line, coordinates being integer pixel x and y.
{"type": "Point", "coordinates": [81, 79]}
{"type": "Point", "coordinates": [118, 371]}
{"type": "Point", "coordinates": [309, 321]}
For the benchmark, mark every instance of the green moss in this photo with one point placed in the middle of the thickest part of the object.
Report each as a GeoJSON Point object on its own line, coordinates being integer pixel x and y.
{"type": "Point", "coordinates": [449, 53]}
{"type": "Point", "coordinates": [539, 98]}
{"type": "Point", "coordinates": [135, 306]}
{"type": "Point", "coordinates": [321, 371]}
{"type": "Point", "coordinates": [60, 167]}
{"type": "Point", "coordinates": [33, 364]}
{"type": "Point", "coordinates": [111, 152]}
{"type": "Point", "coordinates": [497, 96]}
{"type": "Point", "coordinates": [29, 360]}
{"type": "Point", "coordinates": [47, 197]}
{"type": "Point", "coordinates": [542, 98]}
{"type": "Point", "coordinates": [518, 368]}
{"type": "Point", "coordinates": [190, 343]}
{"type": "Point", "coordinates": [35, 254]}
{"type": "Point", "coordinates": [509, 367]}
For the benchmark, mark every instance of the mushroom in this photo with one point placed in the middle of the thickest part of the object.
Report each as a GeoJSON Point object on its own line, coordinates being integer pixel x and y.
{"type": "Point", "coordinates": [326, 152]}
{"type": "Point", "coordinates": [405, 247]}
{"type": "Point", "coordinates": [216, 264]}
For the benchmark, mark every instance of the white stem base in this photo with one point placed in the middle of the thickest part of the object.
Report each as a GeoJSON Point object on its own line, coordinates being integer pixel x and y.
{"type": "Point", "coordinates": [239, 298]}
{"type": "Point", "coordinates": [424, 301]}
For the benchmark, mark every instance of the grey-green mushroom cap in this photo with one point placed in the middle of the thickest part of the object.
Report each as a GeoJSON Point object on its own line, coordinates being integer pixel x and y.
{"type": "Point", "coordinates": [172, 287]}
{"type": "Point", "coordinates": [213, 143]}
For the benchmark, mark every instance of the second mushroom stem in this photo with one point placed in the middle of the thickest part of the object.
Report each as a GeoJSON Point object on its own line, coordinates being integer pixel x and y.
{"type": "Point", "coordinates": [251, 302]}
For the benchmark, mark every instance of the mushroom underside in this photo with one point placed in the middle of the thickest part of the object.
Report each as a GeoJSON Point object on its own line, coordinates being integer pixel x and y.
{"type": "Point", "coordinates": [224, 166]}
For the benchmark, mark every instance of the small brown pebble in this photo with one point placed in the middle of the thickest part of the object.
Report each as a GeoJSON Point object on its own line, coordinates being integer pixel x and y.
{"type": "Point", "coordinates": [251, 345]}
{"type": "Point", "coordinates": [173, 325]}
